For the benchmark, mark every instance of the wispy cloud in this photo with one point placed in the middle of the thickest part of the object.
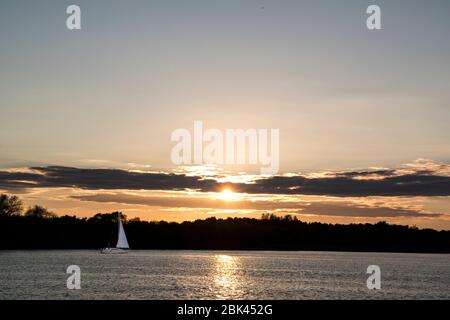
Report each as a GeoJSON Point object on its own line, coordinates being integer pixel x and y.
{"type": "Point", "coordinates": [306, 207]}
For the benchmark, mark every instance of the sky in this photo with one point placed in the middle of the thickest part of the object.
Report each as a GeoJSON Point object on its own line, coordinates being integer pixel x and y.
{"type": "Point", "coordinates": [363, 115]}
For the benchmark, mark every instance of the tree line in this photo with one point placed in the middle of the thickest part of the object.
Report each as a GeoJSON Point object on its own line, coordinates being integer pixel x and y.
{"type": "Point", "coordinates": [39, 228]}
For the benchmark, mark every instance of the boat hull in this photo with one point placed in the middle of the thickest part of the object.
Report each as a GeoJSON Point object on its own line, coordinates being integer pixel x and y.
{"type": "Point", "coordinates": [113, 251]}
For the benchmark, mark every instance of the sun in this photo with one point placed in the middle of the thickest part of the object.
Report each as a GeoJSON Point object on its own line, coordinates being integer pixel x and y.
{"type": "Point", "coordinates": [227, 195]}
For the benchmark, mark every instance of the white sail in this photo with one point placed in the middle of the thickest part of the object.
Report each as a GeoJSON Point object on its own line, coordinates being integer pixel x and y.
{"type": "Point", "coordinates": [122, 242]}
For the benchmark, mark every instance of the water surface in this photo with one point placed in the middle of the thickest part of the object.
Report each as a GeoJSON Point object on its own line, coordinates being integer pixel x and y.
{"type": "Point", "coordinates": [222, 275]}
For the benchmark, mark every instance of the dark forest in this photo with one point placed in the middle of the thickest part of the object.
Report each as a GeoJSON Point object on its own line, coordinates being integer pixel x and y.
{"type": "Point", "coordinates": [37, 228]}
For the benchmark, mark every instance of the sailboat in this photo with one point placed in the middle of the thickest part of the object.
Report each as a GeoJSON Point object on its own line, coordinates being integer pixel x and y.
{"type": "Point", "coordinates": [122, 242]}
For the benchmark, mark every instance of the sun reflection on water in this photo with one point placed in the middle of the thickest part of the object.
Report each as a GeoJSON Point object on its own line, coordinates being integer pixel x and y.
{"type": "Point", "coordinates": [228, 282]}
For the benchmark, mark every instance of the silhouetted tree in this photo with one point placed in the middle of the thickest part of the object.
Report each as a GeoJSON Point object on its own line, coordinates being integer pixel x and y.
{"type": "Point", "coordinates": [108, 217]}
{"type": "Point", "coordinates": [270, 216]}
{"type": "Point", "coordinates": [39, 212]}
{"type": "Point", "coordinates": [10, 205]}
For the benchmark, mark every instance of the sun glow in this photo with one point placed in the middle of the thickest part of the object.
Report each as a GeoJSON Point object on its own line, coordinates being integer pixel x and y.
{"type": "Point", "coordinates": [228, 195]}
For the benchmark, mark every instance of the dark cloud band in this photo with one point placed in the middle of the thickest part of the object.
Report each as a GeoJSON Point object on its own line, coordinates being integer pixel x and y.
{"type": "Point", "coordinates": [387, 183]}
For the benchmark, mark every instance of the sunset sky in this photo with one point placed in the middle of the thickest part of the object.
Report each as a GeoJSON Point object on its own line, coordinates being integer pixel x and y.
{"type": "Point", "coordinates": [86, 116]}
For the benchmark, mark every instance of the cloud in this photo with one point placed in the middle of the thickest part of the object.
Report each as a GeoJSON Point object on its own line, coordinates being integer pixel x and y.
{"type": "Point", "coordinates": [418, 184]}
{"type": "Point", "coordinates": [322, 208]}
{"type": "Point", "coordinates": [331, 208]}
{"type": "Point", "coordinates": [417, 179]}
{"type": "Point", "coordinates": [92, 179]}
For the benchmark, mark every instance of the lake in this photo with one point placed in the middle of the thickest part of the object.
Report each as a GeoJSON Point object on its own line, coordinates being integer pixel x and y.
{"type": "Point", "coordinates": [223, 275]}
